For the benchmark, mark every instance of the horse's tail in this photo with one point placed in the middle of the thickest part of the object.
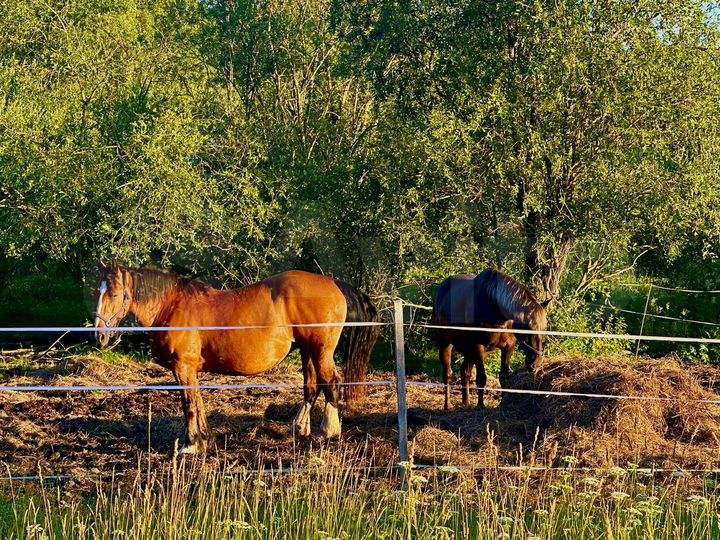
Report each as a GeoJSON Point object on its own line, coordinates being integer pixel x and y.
{"type": "Point", "coordinates": [359, 341]}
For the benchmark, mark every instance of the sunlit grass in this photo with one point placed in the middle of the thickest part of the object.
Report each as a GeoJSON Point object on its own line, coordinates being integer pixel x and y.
{"type": "Point", "coordinates": [15, 365]}
{"type": "Point", "coordinates": [189, 500]}
{"type": "Point", "coordinates": [116, 355]}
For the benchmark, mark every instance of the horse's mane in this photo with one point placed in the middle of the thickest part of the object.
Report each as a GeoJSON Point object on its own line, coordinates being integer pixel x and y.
{"type": "Point", "coordinates": [150, 283]}
{"type": "Point", "coordinates": [514, 299]}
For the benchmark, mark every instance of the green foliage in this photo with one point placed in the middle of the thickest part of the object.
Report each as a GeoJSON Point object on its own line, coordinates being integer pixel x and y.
{"type": "Point", "coordinates": [117, 355]}
{"type": "Point", "coordinates": [573, 117]}
{"type": "Point", "coordinates": [663, 312]}
{"type": "Point", "coordinates": [10, 366]}
{"type": "Point", "coordinates": [48, 298]}
{"type": "Point", "coordinates": [572, 316]}
{"type": "Point", "coordinates": [700, 353]}
{"type": "Point", "coordinates": [390, 144]}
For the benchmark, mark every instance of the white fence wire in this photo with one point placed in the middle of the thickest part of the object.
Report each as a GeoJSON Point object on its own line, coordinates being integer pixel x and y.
{"type": "Point", "coordinates": [674, 289]}
{"type": "Point", "coordinates": [170, 387]}
{"type": "Point", "coordinates": [400, 382]}
{"type": "Point", "coordinates": [610, 307]}
{"type": "Point", "coordinates": [557, 333]}
{"type": "Point", "coordinates": [142, 329]}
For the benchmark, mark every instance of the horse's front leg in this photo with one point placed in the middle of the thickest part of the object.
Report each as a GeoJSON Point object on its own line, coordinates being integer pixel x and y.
{"type": "Point", "coordinates": [465, 376]}
{"type": "Point", "coordinates": [301, 424]}
{"type": "Point", "coordinates": [198, 435]}
{"type": "Point", "coordinates": [481, 376]}
{"type": "Point", "coordinates": [505, 371]}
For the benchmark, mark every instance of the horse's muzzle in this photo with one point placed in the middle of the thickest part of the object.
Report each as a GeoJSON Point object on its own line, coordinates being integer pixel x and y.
{"type": "Point", "coordinates": [102, 338]}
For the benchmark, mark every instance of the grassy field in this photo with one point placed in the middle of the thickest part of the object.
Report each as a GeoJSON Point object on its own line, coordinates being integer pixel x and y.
{"type": "Point", "coordinates": [193, 500]}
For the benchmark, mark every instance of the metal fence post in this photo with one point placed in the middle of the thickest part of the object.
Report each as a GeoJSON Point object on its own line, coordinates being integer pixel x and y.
{"type": "Point", "coordinates": [401, 395]}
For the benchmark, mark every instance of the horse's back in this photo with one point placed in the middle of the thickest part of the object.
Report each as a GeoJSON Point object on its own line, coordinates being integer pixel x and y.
{"type": "Point", "coordinates": [463, 300]}
{"type": "Point", "coordinates": [307, 298]}
{"type": "Point", "coordinates": [274, 305]}
{"type": "Point", "coordinates": [450, 300]}
{"type": "Point", "coordinates": [302, 285]}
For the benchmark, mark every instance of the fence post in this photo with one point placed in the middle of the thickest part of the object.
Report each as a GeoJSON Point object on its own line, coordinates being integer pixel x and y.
{"type": "Point", "coordinates": [401, 395]}
{"type": "Point", "coordinates": [642, 324]}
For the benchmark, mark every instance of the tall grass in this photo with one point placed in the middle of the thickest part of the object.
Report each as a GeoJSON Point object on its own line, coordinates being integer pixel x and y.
{"type": "Point", "coordinates": [194, 501]}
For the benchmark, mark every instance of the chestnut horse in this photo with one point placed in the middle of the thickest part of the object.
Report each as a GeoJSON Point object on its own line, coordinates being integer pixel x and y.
{"type": "Point", "coordinates": [160, 298]}
{"type": "Point", "coordinates": [494, 300]}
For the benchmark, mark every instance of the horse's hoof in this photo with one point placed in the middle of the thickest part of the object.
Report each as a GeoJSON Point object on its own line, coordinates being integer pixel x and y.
{"type": "Point", "coordinates": [330, 427]}
{"type": "Point", "coordinates": [189, 450]}
{"type": "Point", "coordinates": [301, 424]}
{"type": "Point", "coordinates": [302, 429]}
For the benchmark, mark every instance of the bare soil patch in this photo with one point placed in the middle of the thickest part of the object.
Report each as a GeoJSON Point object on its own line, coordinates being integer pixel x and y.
{"type": "Point", "coordinates": [81, 433]}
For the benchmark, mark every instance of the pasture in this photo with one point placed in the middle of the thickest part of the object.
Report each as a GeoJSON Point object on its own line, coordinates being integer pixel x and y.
{"type": "Point", "coordinates": [242, 178]}
{"type": "Point", "coordinates": [526, 466]}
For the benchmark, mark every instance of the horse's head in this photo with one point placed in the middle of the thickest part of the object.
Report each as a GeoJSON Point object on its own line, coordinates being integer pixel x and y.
{"type": "Point", "coordinates": [532, 348]}
{"type": "Point", "coordinates": [114, 299]}
{"type": "Point", "coordinates": [532, 344]}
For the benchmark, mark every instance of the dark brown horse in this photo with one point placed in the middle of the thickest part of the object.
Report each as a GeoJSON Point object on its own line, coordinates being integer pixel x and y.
{"type": "Point", "coordinates": [159, 298]}
{"type": "Point", "coordinates": [490, 299]}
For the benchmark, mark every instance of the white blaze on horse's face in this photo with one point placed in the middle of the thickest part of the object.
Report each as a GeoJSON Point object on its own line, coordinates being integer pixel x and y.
{"type": "Point", "coordinates": [98, 310]}
{"type": "Point", "coordinates": [103, 338]}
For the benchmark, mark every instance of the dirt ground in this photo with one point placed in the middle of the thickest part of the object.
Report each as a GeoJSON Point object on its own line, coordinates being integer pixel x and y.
{"type": "Point", "coordinates": [91, 433]}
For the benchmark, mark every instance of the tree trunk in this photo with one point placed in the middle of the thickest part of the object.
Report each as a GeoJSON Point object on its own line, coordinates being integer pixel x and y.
{"type": "Point", "coordinates": [553, 269]}
{"type": "Point", "coordinates": [544, 267]}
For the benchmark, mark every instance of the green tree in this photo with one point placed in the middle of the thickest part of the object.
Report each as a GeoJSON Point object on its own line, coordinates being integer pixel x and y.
{"type": "Point", "coordinates": [582, 127]}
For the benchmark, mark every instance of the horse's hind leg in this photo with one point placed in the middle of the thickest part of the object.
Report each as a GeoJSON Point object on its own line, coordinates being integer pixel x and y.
{"type": "Point", "coordinates": [465, 376]}
{"type": "Point", "coordinates": [197, 434]}
{"type": "Point", "coordinates": [301, 424]}
{"type": "Point", "coordinates": [327, 376]}
{"type": "Point", "coordinates": [446, 361]}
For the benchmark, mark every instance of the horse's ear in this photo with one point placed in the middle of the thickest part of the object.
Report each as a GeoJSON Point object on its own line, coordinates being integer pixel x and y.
{"type": "Point", "coordinates": [550, 297]}
{"type": "Point", "coordinates": [115, 265]}
{"type": "Point", "coordinates": [102, 266]}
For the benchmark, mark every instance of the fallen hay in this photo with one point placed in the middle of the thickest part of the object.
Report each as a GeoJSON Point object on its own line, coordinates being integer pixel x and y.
{"type": "Point", "coordinates": [674, 431]}
{"type": "Point", "coordinates": [432, 445]}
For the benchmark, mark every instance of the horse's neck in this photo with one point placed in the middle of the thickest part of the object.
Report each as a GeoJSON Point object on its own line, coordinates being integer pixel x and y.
{"type": "Point", "coordinates": [148, 312]}
{"type": "Point", "coordinates": [521, 310]}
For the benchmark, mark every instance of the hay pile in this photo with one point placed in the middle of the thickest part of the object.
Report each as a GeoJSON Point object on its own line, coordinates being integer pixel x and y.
{"type": "Point", "coordinates": [606, 432]}
{"type": "Point", "coordinates": [433, 446]}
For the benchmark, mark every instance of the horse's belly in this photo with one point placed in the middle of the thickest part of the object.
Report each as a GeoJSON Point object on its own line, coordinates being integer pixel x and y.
{"type": "Point", "coordinates": [466, 342]}
{"type": "Point", "coordinates": [247, 358]}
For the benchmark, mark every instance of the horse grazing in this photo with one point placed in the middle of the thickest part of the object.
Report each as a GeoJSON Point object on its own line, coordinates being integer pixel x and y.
{"type": "Point", "coordinates": [493, 300]}
{"type": "Point", "coordinates": [161, 298]}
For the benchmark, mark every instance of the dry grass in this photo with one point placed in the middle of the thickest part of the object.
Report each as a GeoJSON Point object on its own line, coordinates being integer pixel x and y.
{"type": "Point", "coordinates": [191, 499]}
